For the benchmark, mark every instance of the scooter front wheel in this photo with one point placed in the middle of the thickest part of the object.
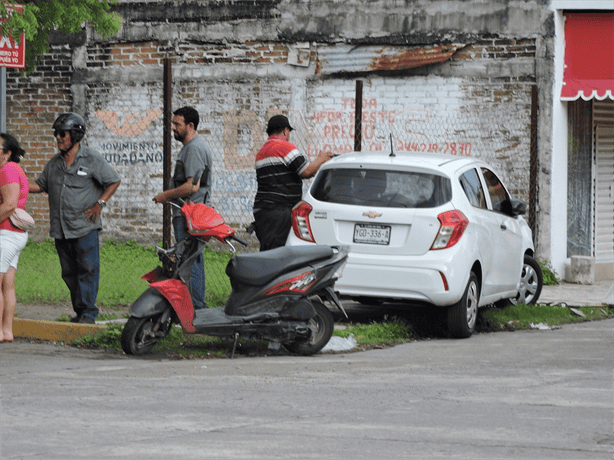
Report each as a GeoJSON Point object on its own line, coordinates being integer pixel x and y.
{"type": "Point", "coordinates": [140, 335]}
{"type": "Point", "coordinates": [322, 324]}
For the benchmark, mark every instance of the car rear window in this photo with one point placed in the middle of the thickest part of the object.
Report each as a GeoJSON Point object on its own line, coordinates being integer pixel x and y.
{"type": "Point", "coordinates": [376, 187]}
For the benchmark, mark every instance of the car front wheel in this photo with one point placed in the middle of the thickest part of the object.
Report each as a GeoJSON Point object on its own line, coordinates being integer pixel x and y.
{"type": "Point", "coordinates": [463, 315]}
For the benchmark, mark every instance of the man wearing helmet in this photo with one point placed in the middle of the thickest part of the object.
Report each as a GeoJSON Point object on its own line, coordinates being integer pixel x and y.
{"type": "Point", "coordinates": [79, 182]}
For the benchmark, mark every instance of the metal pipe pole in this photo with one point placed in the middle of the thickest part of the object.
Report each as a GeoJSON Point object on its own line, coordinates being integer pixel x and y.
{"type": "Point", "coordinates": [533, 168]}
{"type": "Point", "coordinates": [358, 117]}
{"type": "Point", "coordinates": [166, 168]}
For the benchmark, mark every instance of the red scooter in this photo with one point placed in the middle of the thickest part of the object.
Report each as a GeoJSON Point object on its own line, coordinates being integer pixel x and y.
{"type": "Point", "coordinates": [274, 293]}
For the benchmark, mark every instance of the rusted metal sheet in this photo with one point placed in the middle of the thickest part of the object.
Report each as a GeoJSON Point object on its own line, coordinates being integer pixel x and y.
{"type": "Point", "coordinates": [357, 59]}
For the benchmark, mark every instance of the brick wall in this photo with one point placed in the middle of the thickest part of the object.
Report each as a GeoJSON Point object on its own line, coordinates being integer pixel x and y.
{"type": "Point", "coordinates": [498, 49]}
{"type": "Point", "coordinates": [153, 53]}
{"type": "Point", "coordinates": [472, 105]}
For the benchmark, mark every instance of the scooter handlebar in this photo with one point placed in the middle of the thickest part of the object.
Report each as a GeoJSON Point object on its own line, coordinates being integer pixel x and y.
{"type": "Point", "coordinates": [238, 240]}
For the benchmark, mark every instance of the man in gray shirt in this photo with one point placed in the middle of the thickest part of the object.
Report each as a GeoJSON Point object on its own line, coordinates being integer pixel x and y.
{"type": "Point", "coordinates": [191, 181]}
{"type": "Point", "coordinates": [79, 182]}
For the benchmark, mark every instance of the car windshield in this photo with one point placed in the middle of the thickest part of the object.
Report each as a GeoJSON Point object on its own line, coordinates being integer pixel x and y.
{"type": "Point", "coordinates": [376, 187]}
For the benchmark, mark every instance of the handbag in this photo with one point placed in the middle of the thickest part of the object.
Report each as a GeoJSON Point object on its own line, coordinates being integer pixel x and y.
{"type": "Point", "coordinates": [22, 220]}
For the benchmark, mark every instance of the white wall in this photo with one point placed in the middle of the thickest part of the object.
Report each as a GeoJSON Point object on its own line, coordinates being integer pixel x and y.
{"type": "Point", "coordinates": [558, 205]}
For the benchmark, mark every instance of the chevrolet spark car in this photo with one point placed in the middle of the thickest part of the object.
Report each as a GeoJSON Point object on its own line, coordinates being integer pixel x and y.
{"type": "Point", "coordinates": [431, 229]}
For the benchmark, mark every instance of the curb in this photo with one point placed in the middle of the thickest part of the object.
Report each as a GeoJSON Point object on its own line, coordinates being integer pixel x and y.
{"type": "Point", "coordinates": [53, 330]}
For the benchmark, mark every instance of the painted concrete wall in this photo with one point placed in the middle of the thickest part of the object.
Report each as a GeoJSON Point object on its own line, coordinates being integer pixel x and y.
{"type": "Point", "coordinates": [240, 65]}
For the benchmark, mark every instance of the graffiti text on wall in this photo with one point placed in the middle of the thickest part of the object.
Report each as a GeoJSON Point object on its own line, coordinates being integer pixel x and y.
{"type": "Point", "coordinates": [131, 152]}
{"type": "Point", "coordinates": [235, 191]}
{"type": "Point", "coordinates": [407, 129]}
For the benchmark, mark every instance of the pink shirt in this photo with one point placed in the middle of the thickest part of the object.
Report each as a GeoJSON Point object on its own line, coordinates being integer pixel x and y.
{"type": "Point", "coordinates": [11, 173]}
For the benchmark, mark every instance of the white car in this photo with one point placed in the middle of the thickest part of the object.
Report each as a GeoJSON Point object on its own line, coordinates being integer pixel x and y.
{"type": "Point", "coordinates": [421, 228]}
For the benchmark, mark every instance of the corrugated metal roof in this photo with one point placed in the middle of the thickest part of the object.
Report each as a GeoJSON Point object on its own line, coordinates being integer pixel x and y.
{"type": "Point", "coordinates": [355, 59]}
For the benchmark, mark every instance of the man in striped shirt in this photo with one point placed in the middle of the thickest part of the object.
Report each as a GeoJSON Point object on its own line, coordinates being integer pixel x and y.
{"type": "Point", "coordinates": [280, 169]}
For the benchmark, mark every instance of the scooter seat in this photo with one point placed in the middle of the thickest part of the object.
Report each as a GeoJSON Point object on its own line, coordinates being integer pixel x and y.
{"type": "Point", "coordinates": [259, 268]}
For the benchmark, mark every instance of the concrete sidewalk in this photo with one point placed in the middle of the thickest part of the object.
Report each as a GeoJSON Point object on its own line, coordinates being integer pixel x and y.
{"type": "Point", "coordinates": [576, 295]}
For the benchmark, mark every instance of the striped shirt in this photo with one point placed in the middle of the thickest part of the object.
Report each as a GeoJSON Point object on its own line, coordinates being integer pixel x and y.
{"type": "Point", "coordinates": [278, 167]}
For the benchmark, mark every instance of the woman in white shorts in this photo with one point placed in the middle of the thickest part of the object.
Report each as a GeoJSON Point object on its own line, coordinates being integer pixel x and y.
{"type": "Point", "coordinates": [13, 194]}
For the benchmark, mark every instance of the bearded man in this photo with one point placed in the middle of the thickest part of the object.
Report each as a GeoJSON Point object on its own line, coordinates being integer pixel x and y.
{"type": "Point", "coordinates": [191, 181]}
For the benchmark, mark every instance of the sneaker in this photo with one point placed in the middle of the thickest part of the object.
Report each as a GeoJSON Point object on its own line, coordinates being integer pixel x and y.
{"type": "Point", "coordinates": [76, 319]}
{"type": "Point", "coordinates": [87, 320]}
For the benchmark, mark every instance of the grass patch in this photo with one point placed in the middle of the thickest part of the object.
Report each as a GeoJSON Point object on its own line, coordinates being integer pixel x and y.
{"type": "Point", "coordinates": [390, 331]}
{"type": "Point", "coordinates": [106, 339]}
{"type": "Point", "coordinates": [39, 277]}
{"type": "Point", "coordinates": [521, 316]}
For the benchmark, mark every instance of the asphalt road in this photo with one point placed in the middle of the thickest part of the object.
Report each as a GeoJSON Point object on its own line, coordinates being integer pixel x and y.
{"type": "Point", "coordinates": [507, 395]}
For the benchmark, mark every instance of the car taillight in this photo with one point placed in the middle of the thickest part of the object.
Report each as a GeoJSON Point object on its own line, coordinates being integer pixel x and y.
{"type": "Point", "coordinates": [453, 225]}
{"type": "Point", "coordinates": [300, 221]}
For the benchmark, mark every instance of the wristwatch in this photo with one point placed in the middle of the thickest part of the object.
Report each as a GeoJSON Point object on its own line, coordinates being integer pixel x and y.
{"type": "Point", "coordinates": [102, 203]}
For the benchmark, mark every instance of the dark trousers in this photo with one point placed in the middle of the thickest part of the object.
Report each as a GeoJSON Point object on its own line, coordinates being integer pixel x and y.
{"type": "Point", "coordinates": [272, 226]}
{"type": "Point", "coordinates": [80, 262]}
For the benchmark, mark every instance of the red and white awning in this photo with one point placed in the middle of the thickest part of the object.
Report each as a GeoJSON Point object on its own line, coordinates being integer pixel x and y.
{"type": "Point", "coordinates": [589, 56]}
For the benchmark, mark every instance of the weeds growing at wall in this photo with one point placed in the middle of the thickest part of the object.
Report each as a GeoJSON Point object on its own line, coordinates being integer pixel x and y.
{"type": "Point", "coordinates": [549, 274]}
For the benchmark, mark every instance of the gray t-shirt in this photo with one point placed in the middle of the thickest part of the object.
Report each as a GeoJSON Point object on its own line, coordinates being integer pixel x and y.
{"type": "Point", "coordinates": [195, 161]}
{"type": "Point", "coordinates": [74, 189]}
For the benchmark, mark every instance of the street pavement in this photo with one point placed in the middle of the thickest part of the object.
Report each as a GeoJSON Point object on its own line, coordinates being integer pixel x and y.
{"type": "Point", "coordinates": [507, 395]}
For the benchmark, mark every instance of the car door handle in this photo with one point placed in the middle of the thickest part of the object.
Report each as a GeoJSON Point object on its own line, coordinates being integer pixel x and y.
{"type": "Point", "coordinates": [503, 227]}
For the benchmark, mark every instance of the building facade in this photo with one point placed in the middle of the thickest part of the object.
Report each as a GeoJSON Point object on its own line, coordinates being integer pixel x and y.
{"type": "Point", "coordinates": [582, 205]}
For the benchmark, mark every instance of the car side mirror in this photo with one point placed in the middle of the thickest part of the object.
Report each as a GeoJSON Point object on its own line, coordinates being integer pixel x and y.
{"type": "Point", "coordinates": [518, 207]}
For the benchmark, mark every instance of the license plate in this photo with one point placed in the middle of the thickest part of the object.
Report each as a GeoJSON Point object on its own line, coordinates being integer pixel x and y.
{"type": "Point", "coordinates": [372, 234]}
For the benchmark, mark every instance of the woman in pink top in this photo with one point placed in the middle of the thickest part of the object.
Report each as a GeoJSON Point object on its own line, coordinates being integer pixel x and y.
{"type": "Point", "coordinates": [13, 194]}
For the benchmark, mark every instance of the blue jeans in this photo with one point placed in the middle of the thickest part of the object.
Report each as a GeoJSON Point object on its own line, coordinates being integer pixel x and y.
{"type": "Point", "coordinates": [80, 262]}
{"type": "Point", "coordinates": [197, 273]}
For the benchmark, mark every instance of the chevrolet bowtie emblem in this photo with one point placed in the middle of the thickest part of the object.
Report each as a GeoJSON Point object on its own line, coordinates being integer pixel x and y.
{"type": "Point", "coordinates": [371, 214]}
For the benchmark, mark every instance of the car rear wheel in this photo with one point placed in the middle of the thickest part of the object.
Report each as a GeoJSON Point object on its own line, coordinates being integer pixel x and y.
{"type": "Point", "coordinates": [531, 283]}
{"type": "Point", "coordinates": [463, 315]}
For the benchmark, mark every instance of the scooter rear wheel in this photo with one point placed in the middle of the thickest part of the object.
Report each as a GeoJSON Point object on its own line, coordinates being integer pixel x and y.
{"type": "Point", "coordinates": [138, 337]}
{"type": "Point", "coordinates": [323, 324]}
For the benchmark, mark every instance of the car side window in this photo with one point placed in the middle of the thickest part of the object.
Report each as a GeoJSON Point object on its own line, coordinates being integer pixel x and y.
{"type": "Point", "coordinates": [470, 181]}
{"type": "Point", "coordinates": [498, 196]}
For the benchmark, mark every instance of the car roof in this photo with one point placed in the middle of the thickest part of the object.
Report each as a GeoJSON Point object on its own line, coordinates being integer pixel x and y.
{"type": "Point", "coordinates": [381, 159]}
